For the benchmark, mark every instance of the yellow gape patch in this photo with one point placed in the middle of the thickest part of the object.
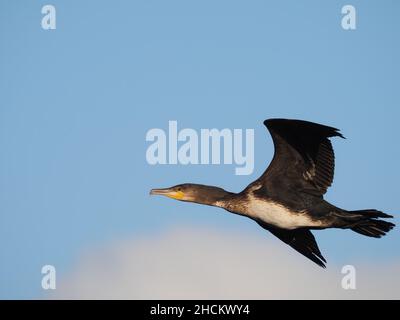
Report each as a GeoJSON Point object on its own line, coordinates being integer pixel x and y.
{"type": "Point", "coordinates": [178, 195]}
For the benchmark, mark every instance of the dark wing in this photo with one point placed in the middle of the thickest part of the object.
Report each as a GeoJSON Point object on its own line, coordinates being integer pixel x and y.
{"type": "Point", "coordinates": [304, 159]}
{"type": "Point", "coordinates": [301, 240]}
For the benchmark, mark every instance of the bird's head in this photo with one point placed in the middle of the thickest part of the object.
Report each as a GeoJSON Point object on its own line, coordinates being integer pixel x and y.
{"type": "Point", "coordinates": [192, 193]}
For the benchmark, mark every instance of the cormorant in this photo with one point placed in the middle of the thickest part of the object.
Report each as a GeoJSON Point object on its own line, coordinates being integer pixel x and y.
{"type": "Point", "coordinates": [287, 199]}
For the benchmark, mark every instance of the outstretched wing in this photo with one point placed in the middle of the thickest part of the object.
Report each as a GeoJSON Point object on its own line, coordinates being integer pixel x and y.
{"type": "Point", "coordinates": [304, 159]}
{"type": "Point", "coordinates": [301, 240]}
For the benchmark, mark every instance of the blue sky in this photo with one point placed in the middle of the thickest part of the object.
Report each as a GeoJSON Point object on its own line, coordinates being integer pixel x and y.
{"type": "Point", "coordinates": [76, 103]}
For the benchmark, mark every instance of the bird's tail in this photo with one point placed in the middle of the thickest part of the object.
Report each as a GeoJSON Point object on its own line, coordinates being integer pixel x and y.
{"type": "Point", "coordinates": [367, 223]}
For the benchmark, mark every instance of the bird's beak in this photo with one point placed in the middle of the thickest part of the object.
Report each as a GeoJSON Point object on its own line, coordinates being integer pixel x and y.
{"type": "Point", "coordinates": [170, 193]}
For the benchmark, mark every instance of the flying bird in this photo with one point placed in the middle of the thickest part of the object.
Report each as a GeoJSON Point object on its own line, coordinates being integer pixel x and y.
{"type": "Point", "coordinates": [288, 198]}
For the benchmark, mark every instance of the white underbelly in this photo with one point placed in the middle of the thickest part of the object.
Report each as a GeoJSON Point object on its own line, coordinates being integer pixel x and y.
{"type": "Point", "coordinates": [279, 216]}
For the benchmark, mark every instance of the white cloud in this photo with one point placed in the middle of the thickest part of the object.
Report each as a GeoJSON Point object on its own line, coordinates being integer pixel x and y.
{"type": "Point", "coordinates": [206, 264]}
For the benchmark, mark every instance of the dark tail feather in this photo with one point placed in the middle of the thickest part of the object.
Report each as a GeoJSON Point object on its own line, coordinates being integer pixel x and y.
{"type": "Point", "coordinates": [368, 224]}
{"type": "Point", "coordinates": [371, 213]}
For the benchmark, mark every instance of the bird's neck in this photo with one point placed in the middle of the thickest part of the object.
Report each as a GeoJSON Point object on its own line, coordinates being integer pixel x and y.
{"type": "Point", "coordinates": [213, 197]}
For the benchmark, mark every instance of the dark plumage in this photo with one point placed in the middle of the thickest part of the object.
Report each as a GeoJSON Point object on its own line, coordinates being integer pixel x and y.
{"type": "Point", "coordinates": [287, 199]}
